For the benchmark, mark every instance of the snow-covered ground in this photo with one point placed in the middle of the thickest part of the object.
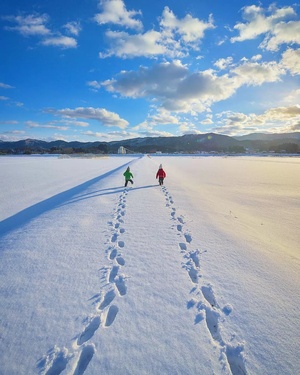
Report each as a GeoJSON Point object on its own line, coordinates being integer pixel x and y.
{"type": "Point", "coordinates": [200, 276]}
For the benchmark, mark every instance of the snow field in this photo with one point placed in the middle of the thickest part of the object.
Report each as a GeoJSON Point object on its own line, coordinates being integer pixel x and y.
{"type": "Point", "coordinates": [179, 279]}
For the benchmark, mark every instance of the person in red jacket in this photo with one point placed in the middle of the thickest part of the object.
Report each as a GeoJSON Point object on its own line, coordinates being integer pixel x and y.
{"type": "Point", "coordinates": [161, 174]}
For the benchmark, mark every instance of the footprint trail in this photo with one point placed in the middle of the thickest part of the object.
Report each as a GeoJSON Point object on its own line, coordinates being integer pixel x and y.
{"type": "Point", "coordinates": [113, 287]}
{"type": "Point", "coordinates": [204, 300]}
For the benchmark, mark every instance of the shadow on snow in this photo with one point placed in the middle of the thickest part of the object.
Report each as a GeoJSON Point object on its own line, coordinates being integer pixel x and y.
{"type": "Point", "coordinates": [62, 199]}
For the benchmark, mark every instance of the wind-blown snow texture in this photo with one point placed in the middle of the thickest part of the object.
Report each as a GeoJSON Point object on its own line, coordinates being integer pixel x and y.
{"type": "Point", "coordinates": [200, 276]}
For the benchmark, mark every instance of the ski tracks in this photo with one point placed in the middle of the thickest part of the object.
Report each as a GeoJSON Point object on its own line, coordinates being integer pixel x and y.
{"type": "Point", "coordinates": [204, 301]}
{"type": "Point", "coordinates": [105, 305]}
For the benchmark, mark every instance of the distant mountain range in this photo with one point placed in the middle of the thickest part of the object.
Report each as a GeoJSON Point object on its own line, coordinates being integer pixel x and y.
{"type": "Point", "coordinates": [190, 143]}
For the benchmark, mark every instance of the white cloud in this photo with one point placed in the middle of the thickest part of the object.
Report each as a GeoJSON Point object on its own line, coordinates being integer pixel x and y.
{"type": "Point", "coordinates": [190, 29]}
{"type": "Point", "coordinates": [273, 25]}
{"type": "Point", "coordinates": [283, 33]}
{"type": "Point", "coordinates": [73, 28]}
{"type": "Point", "coordinates": [125, 45]}
{"type": "Point", "coordinates": [283, 113]}
{"type": "Point", "coordinates": [33, 124]}
{"type": "Point", "coordinates": [105, 117]}
{"type": "Point", "coordinates": [4, 98]}
{"type": "Point", "coordinates": [115, 12]}
{"type": "Point", "coordinates": [174, 39]}
{"type": "Point", "coordinates": [277, 120]}
{"type": "Point", "coordinates": [82, 124]}
{"type": "Point", "coordinates": [60, 41]}
{"type": "Point", "coordinates": [291, 60]}
{"type": "Point", "coordinates": [9, 122]}
{"type": "Point", "coordinates": [223, 63]}
{"type": "Point", "coordinates": [179, 90]}
{"type": "Point", "coordinates": [293, 97]}
{"type": "Point", "coordinates": [94, 84]}
{"type": "Point", "coordinates": [256, 57]}
{"type": "Point", "coordinates": [163, 117]}
{"type": "Point", "coordinates": [35, 25]}
{"type": "Point", "coordinates": [5, 86]}
{"type": "Point", "coordinates": [253, 73]}
{"type": "Point", "coordinates": [30, 25]}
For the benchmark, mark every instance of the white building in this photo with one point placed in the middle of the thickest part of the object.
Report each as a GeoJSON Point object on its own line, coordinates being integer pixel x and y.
{"type": "Point", "coordinates": [122, 150]}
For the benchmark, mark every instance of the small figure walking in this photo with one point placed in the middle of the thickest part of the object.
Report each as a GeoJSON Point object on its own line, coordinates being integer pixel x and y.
{"type": "Point", "coordinates": [128, 176]}
{"type": "Point", "coordinates": [161, 174]}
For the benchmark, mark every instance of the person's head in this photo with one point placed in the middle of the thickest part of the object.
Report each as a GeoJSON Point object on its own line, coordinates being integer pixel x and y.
{"type": "Point", "coordinates": [128, 169]}
{"type": "Point", "coordinates": [160, 166]}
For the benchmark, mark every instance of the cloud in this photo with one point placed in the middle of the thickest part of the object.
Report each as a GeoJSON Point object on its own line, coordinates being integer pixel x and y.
{"type": "Point", "coordinates": [254, 73]}
{"type": "Point", "coordinates": [283, 33]}
{"type": "Point", "coordinates": [160, 79]}
{"type": "Point", "coordinates": [30, 25]}
{"type": "Point", "coordinates": [115, 12]}
{"type": "Point", "coordinates": [125, 45]}
{"type": "Point", "coordinates": [223, 63]}
{"type": "Point", "coordinates": [94, 84]}
{"type": "Point", "coordinates": [32, 124]}
{"type": "Point", "coordinates": [174, 39]}
{"type": "Point", "coordinates": [35, 25]}
{"type": "Point", "coordinates": [60, 41]}
{"type": "Point", "coordinates": [163, 118]}
{"type": "Point", "coordinates": [178, 89]}
{"type": "Point", "coordinates": [291, 60]}
{"type": "Point", "coordinates": [5, 86]}
{"type": "Point", "coordinates": [293, 97]}
{"type": "Point", "coordinates": [269, 22]}
{"type": "Point", "coordinates": [4, 98]}
{"type": "Point", "coordinates": [190, 29]}
{"type": "Point", "coordinates": [73, 28]}
{"type": "Point", "coordinates": [278, 120]}
{"type": "Point", "coordinates": [105, 117]}
{"type": "Point", "coordinates": [9, 122]}
{"type": "Point", "coordinates": [283, 113]}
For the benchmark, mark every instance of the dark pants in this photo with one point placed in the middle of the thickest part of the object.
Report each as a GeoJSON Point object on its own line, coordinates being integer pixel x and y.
{"type": "Point", "coordinates": [126, 182]}
{"type": "Point", "coordinates": [161, 180]}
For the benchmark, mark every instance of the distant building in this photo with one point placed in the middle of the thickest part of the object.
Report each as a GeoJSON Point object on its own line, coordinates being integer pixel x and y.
{"type": "Point", "coordinates": [122, 150]}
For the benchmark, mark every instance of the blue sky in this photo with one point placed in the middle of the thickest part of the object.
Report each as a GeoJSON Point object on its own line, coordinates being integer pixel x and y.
{"type": "Point", "coordinates": [109, 70]}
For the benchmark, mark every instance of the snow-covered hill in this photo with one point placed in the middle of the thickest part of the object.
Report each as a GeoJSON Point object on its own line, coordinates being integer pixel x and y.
{"type": "Point", "coordinates": [200, 276]}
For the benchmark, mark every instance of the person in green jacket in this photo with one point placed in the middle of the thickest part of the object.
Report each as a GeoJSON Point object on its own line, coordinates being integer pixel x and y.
{"type": "Point", "coordinates": [128, 176]}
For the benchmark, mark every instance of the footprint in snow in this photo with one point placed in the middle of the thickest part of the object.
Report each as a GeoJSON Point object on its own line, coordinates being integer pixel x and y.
{"type": "Point", "coordinates": [193, 274]}
{"type": "Point", "coordinates": [111, 315]}
{"type": "Point", "coordinates": [113, 273]}
{"type": "Point", "coordinates": [121, 244]}
{"type": "Point", "coordinates": [84, 359]}
{"type": "Point", "coordinates": [55, 362]}
{"type": "Point", "coordinates": [235, 359]}
{"type": "Point", "coordinates": [120, 284]}
{"type": "Point", "coordinates": [89, 331]}
{"type": "Point", "coordinates": [120, 261]}
{"type": "Point", "coordinates": [209, 295]}
{"type": "Point", "coordinates": [114, 237]}
{"type": "Point", "coordinates": [194, 255]}
{"type": "Point", "coordinates": [113, 254]}
{"type": "Point", "coordinates": [188, 237]}
{"type": "Point", "coordinates": [180, 219]}
{"type": "Point", "coordinates": [212, 323]}
{"type": "Point", "coordinates": [107, 300]}
{"type": "Point", "coordinates": [179, 227]}
{"type": "Point", "coordinates": [182, 246]}
{"type": "Point", "coordinates": [122, 230]}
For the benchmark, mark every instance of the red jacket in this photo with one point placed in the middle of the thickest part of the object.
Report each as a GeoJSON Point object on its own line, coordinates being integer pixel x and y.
{"type": "Point", "coordinates": [161, 173]}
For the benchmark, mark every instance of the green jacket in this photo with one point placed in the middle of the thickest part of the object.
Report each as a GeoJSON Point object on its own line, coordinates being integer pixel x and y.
{"type": "Point", "coordinates": [128, 175]}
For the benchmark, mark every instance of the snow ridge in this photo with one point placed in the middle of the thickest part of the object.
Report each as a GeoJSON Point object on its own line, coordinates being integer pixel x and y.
{"type": "Point", "coordinates": [204, 301]}
{"type": "Point", "coordinates": [57, 360]}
